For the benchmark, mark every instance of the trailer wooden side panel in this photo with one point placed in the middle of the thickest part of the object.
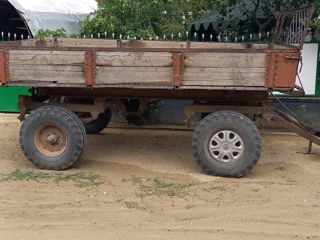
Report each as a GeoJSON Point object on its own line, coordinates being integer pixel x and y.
{"type": "Point", "coordinates": [47, 66]}
{"type": "Point", "coordinates": [148, 64]}
{"type": "Point", "coordinates": [225, 69]}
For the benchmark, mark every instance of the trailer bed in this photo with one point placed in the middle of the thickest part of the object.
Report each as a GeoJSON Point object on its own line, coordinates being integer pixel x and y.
{"type": "Point", "coordinates": [83, 63]}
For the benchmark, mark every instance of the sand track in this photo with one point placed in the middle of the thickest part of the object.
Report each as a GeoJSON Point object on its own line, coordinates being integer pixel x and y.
{"type": "Point", "coordinates": [153, 189]}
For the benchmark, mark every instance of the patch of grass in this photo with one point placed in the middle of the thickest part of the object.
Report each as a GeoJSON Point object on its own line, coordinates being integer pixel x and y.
{"type": "Point", "coordinates": [131, 205]}
{"type": "Point", "coordinates": [189, 206]}
{"type": "Point", "coordinates": [81, 180]}
{"type": "Point", "coordinates": [217, 188]}
{"type": "Point", "coordinates": [158, 187]}
{"type": "Point", "coordinates": [19, 175]}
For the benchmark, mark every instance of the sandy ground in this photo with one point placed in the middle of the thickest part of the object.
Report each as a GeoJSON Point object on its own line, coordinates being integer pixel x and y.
{"type": "Point", "coordinates": [153, 189]}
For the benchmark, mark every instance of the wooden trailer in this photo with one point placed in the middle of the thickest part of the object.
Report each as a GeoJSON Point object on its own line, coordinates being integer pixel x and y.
{"type": "Point", "coordinates": [76, 80]}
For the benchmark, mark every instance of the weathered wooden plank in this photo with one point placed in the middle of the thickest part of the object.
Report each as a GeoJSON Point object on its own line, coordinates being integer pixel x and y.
{"type": "Point", "coordinates": [227, 60]}
{"type": "Point", "coordinates": [59, 76]}
{"type": "Point", "coordinates": [28, 43]}
{"type": "Point", "coordinates": [92, 43]}
{"type": "Point", "coordinates": [218, 45]}
{"type": "Point", "coordinates": [66, 68]}
{"type": "Point", "coordinates": [152, 44]}
{"type": "Point", "coordinates": [224, 77]}
{"type": "Point", "coordinates": [106, 43]}
{"type": "Point", "coordinates": [69, 42]}
{"type": "Point", "coordinates": [226, 70]}
{"type": "Point", "coordinates": [136, 75]}
{"type": "Point", "coordinates": [248, 82]}
{"type": "Point", "coordinates": [134, 59]}
{"type": "Point", "coordinates": [32, 57]}
{"type": "Point", "coordinates": [215, 45]}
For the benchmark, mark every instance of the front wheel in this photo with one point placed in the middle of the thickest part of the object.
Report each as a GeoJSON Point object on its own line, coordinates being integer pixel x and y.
{"type": "Point", "coordinates": [226, 144]}
{"type": "Point", "coordinates": [52, 138]}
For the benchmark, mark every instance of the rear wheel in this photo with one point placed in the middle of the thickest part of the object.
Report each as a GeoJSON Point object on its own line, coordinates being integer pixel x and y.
{"type": "Point", "coordinates": [52, 138]}
{"type": "Point", "coordinates": [227, 144]}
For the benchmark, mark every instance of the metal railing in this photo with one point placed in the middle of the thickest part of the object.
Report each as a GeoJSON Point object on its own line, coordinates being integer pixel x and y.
{"type": "Point", "coordinates": [292, 26]}
{"type": "Point", "coordinates": [187, 36]}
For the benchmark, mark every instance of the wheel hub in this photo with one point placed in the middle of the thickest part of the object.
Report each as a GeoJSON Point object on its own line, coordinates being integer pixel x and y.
{"type": "Point", "coordinates": [50, 140]}
{"type": "Point", "coordinates": [226, 146]}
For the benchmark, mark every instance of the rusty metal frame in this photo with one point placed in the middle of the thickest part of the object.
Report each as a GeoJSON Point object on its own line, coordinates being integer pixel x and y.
{"type": "Point", "coordinates": [4, 67]}
{"type": "Point", "coordinates": [191, 109]}
{"type": "Point", "coordinates": [295, 21]}
{"type": "Point", "coordinates": [90, 67]}
{"type": "Point", "coordinates": [141, 110]}
{"type": "Point", "coordinates": [293, 125]}
{"type": "Point", "coordinates": [282, 69]}
{"type": "Point", "coordinates": [178, 69]}
{"type": "Point", "coordinates": [26, 104]}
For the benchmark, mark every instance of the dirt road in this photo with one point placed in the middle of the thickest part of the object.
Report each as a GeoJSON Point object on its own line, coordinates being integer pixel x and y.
{"type": "Point", "coordinates": [145, 184]}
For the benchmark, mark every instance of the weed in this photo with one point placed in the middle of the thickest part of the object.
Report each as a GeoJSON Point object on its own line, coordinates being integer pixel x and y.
{"type": "Point", "coordinates": [19, 175]}
{"type": "Point", "coordinates": [218, 188]}
{"type": "Point", "coordinates": [131, 205]}
{"type": "Point", "coordinates": [255, 190]}
{"type": "Point", "coordinates": [81, 180]}
{"type": "Point", "coordinates": [189, 206]}
{"type": "Point", "coordinates": [158, 187]}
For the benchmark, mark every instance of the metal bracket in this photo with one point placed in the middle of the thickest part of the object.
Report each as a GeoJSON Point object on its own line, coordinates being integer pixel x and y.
{"type": "Point", "coordinates": [90, 67]}
{"type": "Point", "coordinates": [178, 69]}
{"type": "Point", "coordinates": [4, 67]}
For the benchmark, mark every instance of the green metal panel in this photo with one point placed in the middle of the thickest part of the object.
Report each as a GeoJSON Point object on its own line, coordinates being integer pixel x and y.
{"type": "Point", "coordinates": [9, 98]}
{"type": "Point", "coordinates": [318, 73]}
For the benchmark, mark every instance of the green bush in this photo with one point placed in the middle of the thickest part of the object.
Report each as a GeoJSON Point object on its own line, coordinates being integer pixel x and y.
{"type": "Point", "coordinates": [48, 33]}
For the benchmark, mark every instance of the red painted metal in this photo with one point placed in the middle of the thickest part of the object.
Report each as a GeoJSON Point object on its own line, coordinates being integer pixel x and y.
{"type": "Point", "coordinates": [282, 69]}
{"type": "Point", "coordinates": [4, 67]}
{"type": "Point", "coordinates": [90, 69]}
{"type": "Point", "coordinates": [178, 69]}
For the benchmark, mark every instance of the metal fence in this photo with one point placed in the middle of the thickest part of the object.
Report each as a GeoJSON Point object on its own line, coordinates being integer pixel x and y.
{"type": "Point", "coordinates": [186, 36]}
{"type": "Point", "coordinates": [292, 26]}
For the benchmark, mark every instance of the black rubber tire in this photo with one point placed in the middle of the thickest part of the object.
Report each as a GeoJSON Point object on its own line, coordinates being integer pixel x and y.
{"type": "Point", "coordinates": [96, 126]}
{"type": "Point", "coordinates": [233, 121]}
{"type": "Point", "coordinates": [64, 119]}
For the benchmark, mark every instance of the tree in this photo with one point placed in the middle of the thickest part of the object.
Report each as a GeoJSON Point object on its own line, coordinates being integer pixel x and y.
{"type": "Point", "coordinates": [135, 18]}
{"type": "Point", "coordinates": [147, 18]}
{"type": "Point", "coordinates": [152, 18]}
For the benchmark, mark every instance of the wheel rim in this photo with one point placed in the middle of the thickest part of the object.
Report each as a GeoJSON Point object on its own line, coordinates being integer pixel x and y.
{"type": "Point", "coordinates": [50, 140]}
{"type": "Point", "coordinates": [226, 146]}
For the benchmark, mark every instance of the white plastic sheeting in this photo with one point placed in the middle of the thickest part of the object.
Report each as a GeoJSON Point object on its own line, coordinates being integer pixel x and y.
{"type": "Point", "coordinates": [54, 14]}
